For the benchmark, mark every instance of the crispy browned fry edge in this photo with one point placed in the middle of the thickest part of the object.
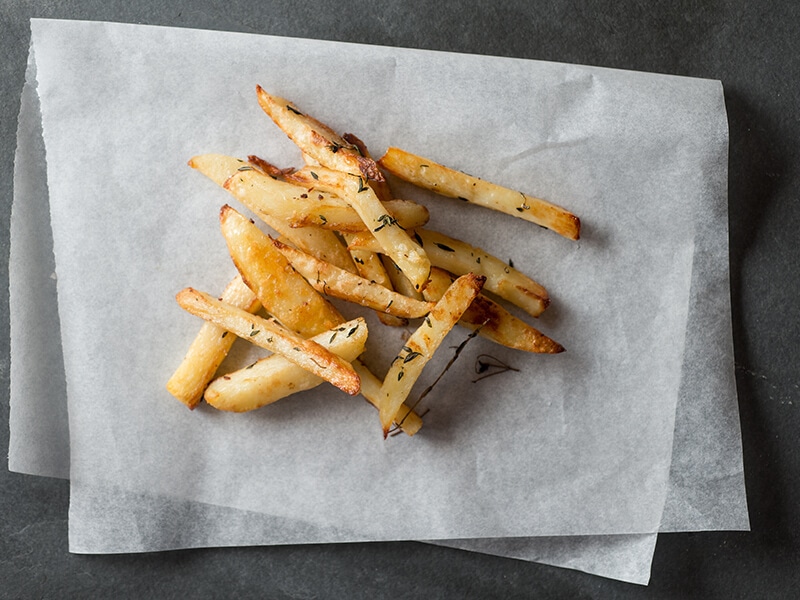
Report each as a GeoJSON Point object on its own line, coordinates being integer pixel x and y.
{"type": "Point", "coordinates": [316, 139]}
{"type": "Point", "coordinates": [333, 281]}
{"type": "Point", "coordinates": [494, 321]}
{"type": "Point", "coordinates": [269, 334]}
{"type": "Point", "coordinates": [209, 348]}
{"type": "Point", "coordinates": [420, 347]}
{"type": "Point", "coordinates": [427, 174]}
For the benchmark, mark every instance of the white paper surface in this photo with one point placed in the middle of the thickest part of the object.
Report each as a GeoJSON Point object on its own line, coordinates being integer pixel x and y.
{"type": "Point", "coordinates": [488, 246]}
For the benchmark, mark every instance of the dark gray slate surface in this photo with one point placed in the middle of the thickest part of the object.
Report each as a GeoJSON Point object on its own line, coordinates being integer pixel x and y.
{"type": "Point", "coordinates": [753, 50]}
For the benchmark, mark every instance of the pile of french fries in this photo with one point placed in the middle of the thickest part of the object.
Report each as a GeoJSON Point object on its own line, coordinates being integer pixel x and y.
{"type": "Point", "coordinates": [340, 233]}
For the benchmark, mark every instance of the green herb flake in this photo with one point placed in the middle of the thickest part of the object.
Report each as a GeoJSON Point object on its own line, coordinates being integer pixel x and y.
{"type": "Point", "coordinates": [255, 332]}
{"type": "Point", "coordinates": [411, 356]}
{"type": "Point", "coordinates": [361, 186]}
{"type": "Point", "coordinates": [291, 108]}
{"type": "Point", "coordinates": [444, 247]}
{"type": "Point", "coordinates": [314, 175]}
{"type": "Point", "coordinates": [400, 375]}
{"type": "Point", "coordinates": [386, 221]}
{"type": "Point", "coordinates": [352, 331]}
{"type": "Point", "coordinates": [245, 168]}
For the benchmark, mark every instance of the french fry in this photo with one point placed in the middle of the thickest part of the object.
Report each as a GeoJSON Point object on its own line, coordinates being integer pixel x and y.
{"type": "Point", "coordinates": [393, 240]}
{"type": "Point", "coordinates": [420, 347]}
{"type": "Point", "coordinates": [269, 334]}
{"type": "Point", "coordinates": [406, 419]}
{"type": "Point", "coordinates": [448, 182]}
{"type": "Point", "coordinates": [459, 258]}
{"type": "Point", "coordinates": [316, 139]}
{"type": "Point", "coordinates": [273, 280]}
{"type": "Point", "coordinates": [333, 281]}
{"type": "Point", "coordinates": [274, 377]}
{"type": "Point", "coordinates": [209, 348]}
{"type": "Point", "coordinates": [494, 321]}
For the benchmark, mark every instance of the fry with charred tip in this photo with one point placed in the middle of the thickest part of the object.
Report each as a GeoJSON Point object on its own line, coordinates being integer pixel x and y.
{"type": "Point", "coordinates": [420, 347]}
{"type": "Point", "coordinates": [316, 139]}
{"type": "Point", "coordinates": [270, 334]}
{"type": "Point", "coordinates": [427, 174]}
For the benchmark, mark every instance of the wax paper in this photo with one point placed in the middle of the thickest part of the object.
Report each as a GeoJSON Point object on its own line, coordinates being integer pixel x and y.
{"type": "Point", "coordinates": [448, 215]}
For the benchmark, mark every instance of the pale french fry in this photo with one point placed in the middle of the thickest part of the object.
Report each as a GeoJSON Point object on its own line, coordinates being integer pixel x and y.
{"type": "Point", "coordinates": [274, 377]}
{"type": "Point", "coordinates": [209, 348]}
{"type": "Point", "coordinates": [420, 347]}
{"type": "Point", "coordinates": [316, 139]}
{"type": "Point", "coordinates": [393, 240]}
{"type": "Point", "coordinates": [218, 167]}
{"type": "Point", "coordinates": [494, 321]}
{"type": "Point", "coordinates": [273, 280]}
{"type": "Point", "coordinates": [406, 419]}
{"type": "Point", "coordinates": [333, 281]}
{"type": "Point", "coordinates": [448, 182]}
{"type": "Point", "coordinates": [408, 215]}
{"type": "Point", "coordinates": [269, 334]}
{"type": "Point", "coordinates": [459, 258]}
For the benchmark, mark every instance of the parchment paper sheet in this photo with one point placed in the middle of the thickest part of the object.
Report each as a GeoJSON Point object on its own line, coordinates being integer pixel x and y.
{"type": "Point", "coordinates": [733, 476]}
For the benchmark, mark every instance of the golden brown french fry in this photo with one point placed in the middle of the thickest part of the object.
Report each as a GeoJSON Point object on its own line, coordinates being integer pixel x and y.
{"type": "Point", "coordinates": [495, 322]}
{"type": "Point", "coordinates": [406, 419]}
{"type": "Point", "coordinates": [333, 281]}
{"type": "Point", "coordinates": [427, 174]}
{"type": "Point", "coordinates": [393, 240]}
{"type": "Point", "coordinates": [459, 257]}
{"type": "Point", "coordinates": [274, 377]}
{"type": "Point", "coordinates": [269, 334]}
{"type": "Point", "coordinates": [209, 348]}
{"type": "Point", "coordinates": [283, 292]}
{"type": "Point", "coordinates": [420, 347]}
{"type": "Point", "coordinates": [316, 139]}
